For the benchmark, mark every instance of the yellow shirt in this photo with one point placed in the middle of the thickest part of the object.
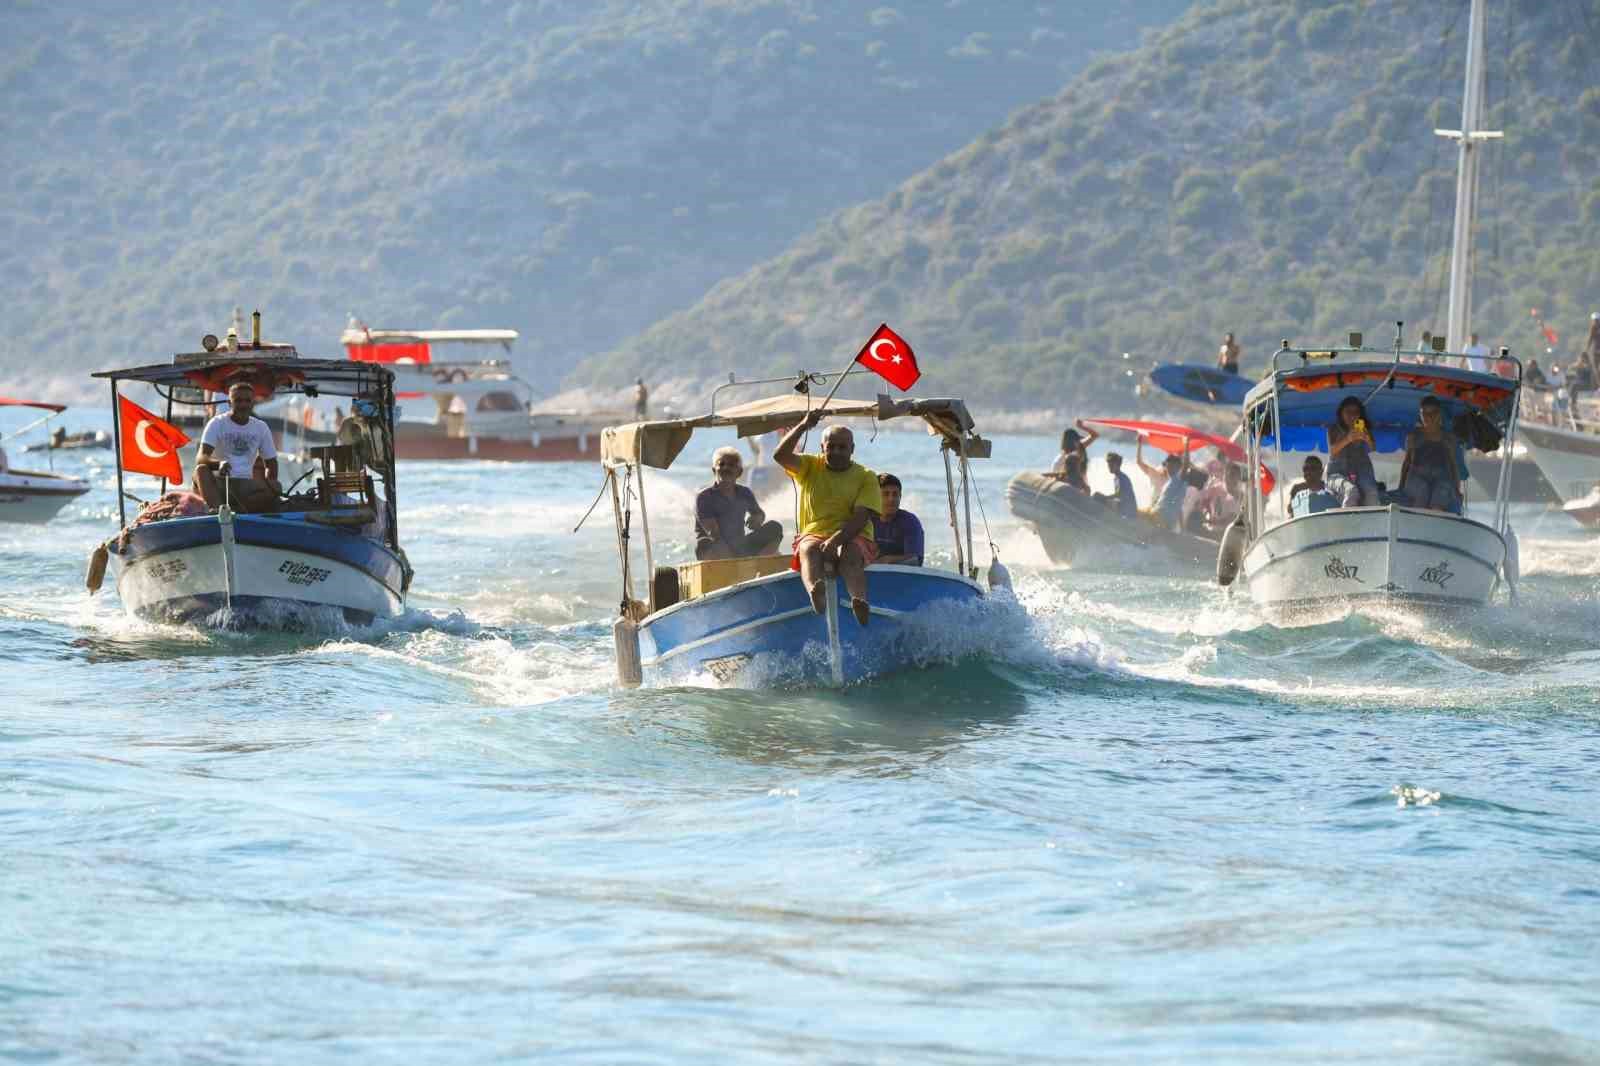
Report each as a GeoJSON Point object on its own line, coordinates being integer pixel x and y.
{"type": "Point", "coordinates": [829, 497]}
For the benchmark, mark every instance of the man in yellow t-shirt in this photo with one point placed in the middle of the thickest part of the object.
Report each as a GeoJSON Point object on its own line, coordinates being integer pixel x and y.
{"type": "Point", "coordinates": [838, 498]}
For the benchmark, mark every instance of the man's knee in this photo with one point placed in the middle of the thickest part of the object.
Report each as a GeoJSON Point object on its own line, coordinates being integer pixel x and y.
{"type": "Point", "coordinates": [766, 536]}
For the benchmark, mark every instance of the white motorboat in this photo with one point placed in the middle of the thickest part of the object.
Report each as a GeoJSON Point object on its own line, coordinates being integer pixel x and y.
{"type": "Point", "coordinates": [335, 548]}
{"type": "Point", "coordinates": [34, 496]}
{"type": "Point", "coordinates": [1566, 445]}
{"type": "Point", "coordinates": [475, 409]}
{"type": "Point", "coordinates": [1393, 551]}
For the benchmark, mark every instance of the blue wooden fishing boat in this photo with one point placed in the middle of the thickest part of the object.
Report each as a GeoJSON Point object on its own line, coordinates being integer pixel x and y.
{"type": "Point", "coordinates": [333, 547]}
{"type": "Point", "coordinates": [749, 621]}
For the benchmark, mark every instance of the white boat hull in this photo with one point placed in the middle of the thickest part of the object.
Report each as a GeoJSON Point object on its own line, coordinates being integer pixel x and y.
{"type": "Point", "coordinates": [268, 584]}
{"type": "Point", "coordinates": [34, 498]}
{"type": "Point", "coordinates": [1386, 553]}
{"type": "Point", "coordinates": [1568, 458]}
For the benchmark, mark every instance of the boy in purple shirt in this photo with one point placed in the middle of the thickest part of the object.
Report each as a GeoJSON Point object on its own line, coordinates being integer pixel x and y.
{"type": "Point", "coordinates": [897, 533]}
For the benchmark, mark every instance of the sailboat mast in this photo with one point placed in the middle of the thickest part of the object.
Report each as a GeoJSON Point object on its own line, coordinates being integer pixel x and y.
{"type": "Point", "coordinates": [1468, 137]}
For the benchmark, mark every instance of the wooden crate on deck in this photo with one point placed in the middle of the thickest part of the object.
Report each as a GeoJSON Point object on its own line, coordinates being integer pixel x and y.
{"type": "Point", "coordinates": [697, 579]}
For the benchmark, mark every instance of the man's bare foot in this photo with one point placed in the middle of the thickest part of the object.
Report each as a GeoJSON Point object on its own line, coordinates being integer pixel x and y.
{"type": "Point", "coordinates": [819, 597]}
{"type": "Point", "coordinates": [861, 609]}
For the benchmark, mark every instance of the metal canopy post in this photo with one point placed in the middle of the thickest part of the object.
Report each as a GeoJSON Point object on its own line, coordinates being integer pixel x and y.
{"type": "Point", "coordinates": [116, 436]}
{"type": "Point", "coordinates": [950, 499]}
{"type": "Point", "coordinates": [966, 503]}
{"type": "Point", "coordinates": [386, 399]}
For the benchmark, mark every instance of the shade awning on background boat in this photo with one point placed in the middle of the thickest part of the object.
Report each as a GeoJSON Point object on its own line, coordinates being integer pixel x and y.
{"type": "Point", "coordinates": [1175, 439]}
{"type": "Point", "coordinates": [1172, 438]}
{"type": "Point", "coordinates": [6, 401]}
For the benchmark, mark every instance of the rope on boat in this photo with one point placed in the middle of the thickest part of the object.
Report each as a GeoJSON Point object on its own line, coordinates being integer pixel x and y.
{"type": "Point", "coordinates": [597, 497]}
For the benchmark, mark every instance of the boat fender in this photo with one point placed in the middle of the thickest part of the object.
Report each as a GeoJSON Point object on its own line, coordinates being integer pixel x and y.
{"type": "Point", "coordinates": [999, 576]}
{"type": "Point", "coordinates": [1230, 552]}
{"type": "Point", "coordinates": [1512, 567]}
{"type": "Point", "coordinates": [625, 636]}
{"type": "Point", "coordinates": [97, 568]}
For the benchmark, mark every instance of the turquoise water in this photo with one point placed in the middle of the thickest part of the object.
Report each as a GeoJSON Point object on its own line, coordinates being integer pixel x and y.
{"type": "Point", "coordinates": [1128, 821]}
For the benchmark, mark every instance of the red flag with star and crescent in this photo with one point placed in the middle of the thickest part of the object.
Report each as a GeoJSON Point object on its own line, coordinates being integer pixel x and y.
{"type": "Point", "coordinates": [887, 354]}
{"type": "Point", "coordinates": [149, 445]}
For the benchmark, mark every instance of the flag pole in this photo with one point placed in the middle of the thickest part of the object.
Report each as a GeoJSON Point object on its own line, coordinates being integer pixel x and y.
{"type": "Point", "coordinates": [836, 383]}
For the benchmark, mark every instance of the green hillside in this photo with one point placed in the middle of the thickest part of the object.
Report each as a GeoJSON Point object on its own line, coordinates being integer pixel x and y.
{"type": "Point", "coordinates": [574, 169]}
{"type": "Point", "coordinates": [1266, 167]}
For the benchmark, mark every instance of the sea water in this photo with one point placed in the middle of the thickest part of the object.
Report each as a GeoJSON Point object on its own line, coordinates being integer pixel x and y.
{"type": "Point", "coordinates": [1124, 818]}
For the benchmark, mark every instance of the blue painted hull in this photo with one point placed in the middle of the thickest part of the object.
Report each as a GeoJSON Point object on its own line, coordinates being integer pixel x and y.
{"type": "Point", "coordinates": [1201, 384]}
{"type": "Point", "coordinates": [764, 632]}
{"type": "Point", "coordinates": [280, 572]}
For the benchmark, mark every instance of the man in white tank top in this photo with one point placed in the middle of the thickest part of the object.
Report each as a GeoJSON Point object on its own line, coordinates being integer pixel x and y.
{"type": "Point", "coordinates": [237, 439]}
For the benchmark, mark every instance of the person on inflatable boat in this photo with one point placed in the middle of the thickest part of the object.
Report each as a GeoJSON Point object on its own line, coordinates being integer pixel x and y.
{"type": "Point", "coordinates": [838, 500]}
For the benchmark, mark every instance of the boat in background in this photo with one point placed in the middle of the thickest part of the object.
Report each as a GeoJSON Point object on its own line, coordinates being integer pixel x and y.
{"type": "Point", "coordinates": [750, 620]}
{"type": "Point", "coordinates": [1206, 388]}
{"type": "Point", "coordinates": [1565, 442]}
{"type": "Point", "coordinates": [1389, 552]}
{"type": "Point", "coordinates": [1079, 530]}
{"type": "Point", "coordinates": [34, 496]}
{"type": "Point", "coordinates": [62, 441]}
{"type": "Point", "coordinates": [335, 548]}
{"type": "Point", "coordinates": [473, 409]}
{"type": "Point", "coordinates": [1200, 385]}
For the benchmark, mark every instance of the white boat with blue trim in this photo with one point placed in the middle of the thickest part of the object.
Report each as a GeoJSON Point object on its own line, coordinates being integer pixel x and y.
{"type": "Point", "coordinates": [750, 621]}
{"type": "Point", "coordinates": [333, 548]}
{"type": "Point", "coordinates": [1392, 548]}
{"type": "Point", "coordinates": [34, 496]}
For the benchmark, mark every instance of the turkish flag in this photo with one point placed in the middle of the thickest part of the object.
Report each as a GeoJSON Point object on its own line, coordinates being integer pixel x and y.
{"type": "Point", "coordinates": [149, 445]}
{"type": "Point", "coordinates": [887, 354]}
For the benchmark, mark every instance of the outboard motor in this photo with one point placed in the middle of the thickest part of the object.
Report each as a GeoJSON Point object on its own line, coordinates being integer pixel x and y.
{"type": "Point", "coordinates": [1231, 552]}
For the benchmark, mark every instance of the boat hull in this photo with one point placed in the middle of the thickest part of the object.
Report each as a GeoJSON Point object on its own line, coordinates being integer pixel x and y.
{"type": "Point", "coordinates": [430, 441]}
{"type": "Point", "coordinates": [1082, 532]}
{"type": "Point", "coordinates": [1373, 553]}
{"type": "Point", "coordinates": [1568, 458]}
{"type": "Point", "coordinates": [274, 571]}
{"type": "Point", "coordinates": [764, 631]}
{"type": "Point", "coordinates": [36, 498]}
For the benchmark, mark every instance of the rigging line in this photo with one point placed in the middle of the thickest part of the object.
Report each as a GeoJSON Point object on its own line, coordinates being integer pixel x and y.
{"type": "Point", "coordinates": [985, 516]}
{"type": "Point", "coordinates": [604, 484]}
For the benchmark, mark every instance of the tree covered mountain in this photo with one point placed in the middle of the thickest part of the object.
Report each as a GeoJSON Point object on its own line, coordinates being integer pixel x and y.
{"type": "Point", "coordinates": [1261, 166]}
{"type": "Point", "coordinates": [572, 168]}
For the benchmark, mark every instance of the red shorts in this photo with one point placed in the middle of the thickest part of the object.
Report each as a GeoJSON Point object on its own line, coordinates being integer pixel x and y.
{"type": "Point", "coordinates": [868, 546]}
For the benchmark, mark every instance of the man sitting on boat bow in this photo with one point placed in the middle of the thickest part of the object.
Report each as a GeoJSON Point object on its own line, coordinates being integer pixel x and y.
{"type": "Point", "coordinates": [240, 438]}
{"type": "Point", "coordinates": [838, 499]}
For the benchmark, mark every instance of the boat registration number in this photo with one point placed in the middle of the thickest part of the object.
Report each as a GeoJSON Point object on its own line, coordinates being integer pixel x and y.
{"type": "Point", "coordinates": [303, 573]}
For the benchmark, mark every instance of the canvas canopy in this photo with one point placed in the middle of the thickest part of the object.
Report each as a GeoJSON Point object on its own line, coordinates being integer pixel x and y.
{"type": "Point", "coordinates": [658, 444]}
{"type": "Point", "coordinates": [1309, 398]}
{"type": "Point", "coordinates": [267, 372]}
